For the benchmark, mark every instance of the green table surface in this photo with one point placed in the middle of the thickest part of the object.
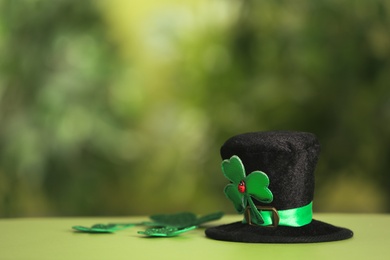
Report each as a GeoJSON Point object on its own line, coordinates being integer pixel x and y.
{"type": "Point", "coordinates": [53, 238]}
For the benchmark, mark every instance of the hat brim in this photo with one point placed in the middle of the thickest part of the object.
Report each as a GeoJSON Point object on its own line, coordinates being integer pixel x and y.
{"type": "Point", "coordinates": [316, 231]}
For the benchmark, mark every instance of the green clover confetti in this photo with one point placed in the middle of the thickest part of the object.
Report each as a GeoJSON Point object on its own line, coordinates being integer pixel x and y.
{"type": "Point", "coordinates": [174, 224]}
{"type": "Point", "coordinates": [167, 231]}
{"type": "Point", "coordinates": [184, 219]}
{"type": "Point", "coordinates": [162, 225]}
{"type": "Point", "coordinates": [243, 187]}
{"type": "Point", "coordinates": [103, 228]}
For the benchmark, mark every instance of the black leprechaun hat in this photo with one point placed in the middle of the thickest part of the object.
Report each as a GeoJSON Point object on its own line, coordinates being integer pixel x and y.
{"type": "Point", "coordinates": [272, 185]}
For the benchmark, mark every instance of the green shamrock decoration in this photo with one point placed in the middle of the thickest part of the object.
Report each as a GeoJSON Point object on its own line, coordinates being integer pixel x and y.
{"type": "Point", "coordinates": [243, 188]}
{"type": "Point", "coordinates": [168, 225]}
{"type": "Point", "coordinates": [183, 219]}
{"type": "Point", "coordinates": [167, 231]}
{"type": "Point", "coordinates": [103, 228]}
{"type": "Point", "coordinates": [162, 225]}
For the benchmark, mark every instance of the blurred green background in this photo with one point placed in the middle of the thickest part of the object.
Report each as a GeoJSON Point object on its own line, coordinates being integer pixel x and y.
{"type": "Point", "coordinates": [120, 107]}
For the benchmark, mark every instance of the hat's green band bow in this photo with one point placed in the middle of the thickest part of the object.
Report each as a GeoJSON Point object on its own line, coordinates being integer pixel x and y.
{"type": "Point", "coordinates": [296, 217]}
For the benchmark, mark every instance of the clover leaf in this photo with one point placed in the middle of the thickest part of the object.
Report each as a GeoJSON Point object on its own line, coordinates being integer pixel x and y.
{"type": "Point", "coordinates": [166, 231]}
{"type": "Point", "coordinates": [243, 188]}
{"type": "Point", "coordinates": [162, 225]}
{"type": "Point", "coordinates": [103, 228]}
{"type": "Point", "coordinates": [168, 225]}
{"type": "Point", "coordinates": [183, 219]}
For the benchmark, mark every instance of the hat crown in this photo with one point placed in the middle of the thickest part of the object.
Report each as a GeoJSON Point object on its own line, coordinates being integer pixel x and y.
{"type": "Point", "coordinates": [288, 158]}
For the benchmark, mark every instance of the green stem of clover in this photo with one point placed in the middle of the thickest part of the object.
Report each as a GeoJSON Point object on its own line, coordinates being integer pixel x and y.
{"type": "Point", "coordinates": [255, 213]}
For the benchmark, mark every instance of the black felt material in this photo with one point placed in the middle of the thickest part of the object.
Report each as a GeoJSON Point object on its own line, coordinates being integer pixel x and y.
{"type": "Point", "coordinates": [289, 159]}
{"type": "Point", "coordinates": [316, 231]}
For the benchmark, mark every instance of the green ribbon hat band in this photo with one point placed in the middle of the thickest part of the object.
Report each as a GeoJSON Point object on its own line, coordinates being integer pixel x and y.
{"type": "Point", "coordinates": [295, 217]}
